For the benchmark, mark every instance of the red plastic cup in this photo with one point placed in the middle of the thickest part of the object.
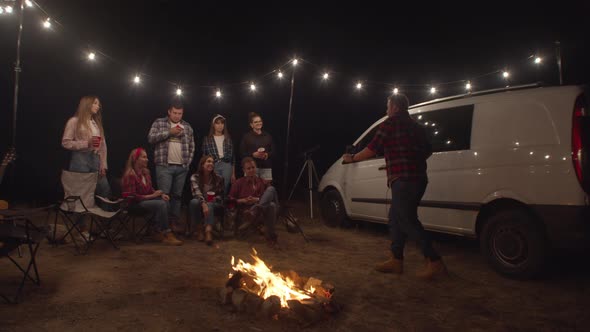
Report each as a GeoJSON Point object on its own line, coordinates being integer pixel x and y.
{"type": "Point", "coordinates": [210, 196]}
{"type": "Point", "coordinates": [96, 141]}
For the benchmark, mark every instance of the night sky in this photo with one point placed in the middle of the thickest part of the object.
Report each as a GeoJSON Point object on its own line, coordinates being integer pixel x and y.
{"type": "Point", "coordinates": [203, 45]}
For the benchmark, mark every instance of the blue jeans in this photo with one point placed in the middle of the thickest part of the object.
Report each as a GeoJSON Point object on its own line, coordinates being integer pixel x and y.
{"type": "Point", "coordinates": [171, 180]}
{"type": "Point", "coordinates": [195, 209]}
{"type": "Point", "coordinates": [403, 218]}
{"type": "Point", "coordinates": [224, 170]}
{"type": "Point", "coordinates": [159, 208]}
{"type": "Point", "coordinates": [89, 162]}
{"type": "Point", "coordinates": [269, 201]}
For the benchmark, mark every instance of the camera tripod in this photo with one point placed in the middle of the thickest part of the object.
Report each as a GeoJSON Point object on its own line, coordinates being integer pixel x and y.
{"type": "Point", "coordinates": [311, 174]}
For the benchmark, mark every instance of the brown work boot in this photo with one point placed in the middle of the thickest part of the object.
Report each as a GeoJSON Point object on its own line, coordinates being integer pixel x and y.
{"type": "Point", "coordinates": [208, 235]}
{"type": "Point", "coordinates": [432, 270]}
{"type": "Point", "coordinates": [392, 265]}
{"type": "Point", "coordinates": [171, 240]}
{"type": "Point", "coordinates": [158, 236]}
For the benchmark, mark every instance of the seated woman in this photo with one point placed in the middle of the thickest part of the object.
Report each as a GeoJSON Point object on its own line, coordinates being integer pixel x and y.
{"type": "Point", "coordinates": [255, 198]}
{"type": "Point", "coordinates": [137, 183]}
{"type": "Point", "coordinates": [207, 188]}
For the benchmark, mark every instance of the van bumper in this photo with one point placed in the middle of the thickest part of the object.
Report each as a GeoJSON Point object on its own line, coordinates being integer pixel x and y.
{"type": "Point", "coordinates": [568, 227]}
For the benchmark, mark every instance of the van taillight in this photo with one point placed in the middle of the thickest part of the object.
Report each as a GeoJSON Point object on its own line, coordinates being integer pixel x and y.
{"type": "Point", "coordinates": [577, 146]}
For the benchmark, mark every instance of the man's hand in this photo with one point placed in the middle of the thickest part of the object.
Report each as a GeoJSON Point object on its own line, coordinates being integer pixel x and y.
{"type": "Point", "coordinates": [176, 131]}
{"type": "Point", "coordinates": [102, 172]}
{"type": "Point", "coordinates": [205, 208]}
{"type": "Point", "coordinates": [347, 158]}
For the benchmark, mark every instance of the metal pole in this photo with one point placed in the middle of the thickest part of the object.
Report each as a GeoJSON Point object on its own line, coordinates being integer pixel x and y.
{"type": "Point", "coordinates": [310, 186]}
{"type": "Point", "coordinates": [558, 56]}
{"type": "Point", "coordinates": [17, 70]}
{"type": "Point", "coordinates": [286, 168]}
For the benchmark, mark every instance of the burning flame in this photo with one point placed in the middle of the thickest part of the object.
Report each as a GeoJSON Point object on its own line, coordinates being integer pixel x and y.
{"type": "Point", "coordinates": [270, 283]}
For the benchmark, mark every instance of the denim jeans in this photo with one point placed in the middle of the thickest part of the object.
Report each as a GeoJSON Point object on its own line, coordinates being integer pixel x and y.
{"type": "Point", "coordinates": [171, 180]}
{"type": "Point", "coordinates": [269, 201]}
{"type": "Point", "coordinates": [195, 209]}
{"type": "Point", "coordinates": [403, 218]}
{"type": "Point", "coordinates": [159, 208]}
{"type": "Point", "coordinates": [224, 170]}
{"type": "Point", "coordinates": [89, 162]}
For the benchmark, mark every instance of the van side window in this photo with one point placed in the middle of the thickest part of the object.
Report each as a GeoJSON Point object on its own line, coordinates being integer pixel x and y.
{"type": "Point", "coordinates": [365, 141]}
{"type": "Point", "coordinates": [449, 129]}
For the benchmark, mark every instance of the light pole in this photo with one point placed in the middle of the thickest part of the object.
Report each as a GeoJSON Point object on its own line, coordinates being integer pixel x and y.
{"type": "Point", "coordinates": [17, 69]}
{"type": "Point", "coordinates": [286, 169]}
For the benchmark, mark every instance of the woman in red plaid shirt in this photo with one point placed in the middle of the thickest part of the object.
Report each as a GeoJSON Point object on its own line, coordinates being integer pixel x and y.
{"type": "Point", "coordinates": [137, 185]}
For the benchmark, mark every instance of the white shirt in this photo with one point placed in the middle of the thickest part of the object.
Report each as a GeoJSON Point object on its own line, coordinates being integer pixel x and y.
{"type": "Point", "coordinates": [219, 143]}
{"type": "Point", "coordinates": [175, 146]}
{"type": "Point", "coordinates": [94, 128]}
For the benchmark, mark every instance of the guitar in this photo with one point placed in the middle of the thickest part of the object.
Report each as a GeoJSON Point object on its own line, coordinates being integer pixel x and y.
{"type": "Point", "coordinates": [9, 157]}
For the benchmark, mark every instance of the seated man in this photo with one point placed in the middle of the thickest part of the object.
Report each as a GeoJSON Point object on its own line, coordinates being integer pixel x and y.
{"type": "Point", "coordinates": [254, 198]}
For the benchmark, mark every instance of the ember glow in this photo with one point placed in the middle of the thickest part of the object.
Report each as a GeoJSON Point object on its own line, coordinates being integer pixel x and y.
{"type": "Point", "coordinates": [270, 283]}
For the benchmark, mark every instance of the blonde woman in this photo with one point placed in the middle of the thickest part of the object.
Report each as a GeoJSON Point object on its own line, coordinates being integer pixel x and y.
{"type": "Point", "coordinates": [137, 183]}
{"type": "Point", "coordinates": [84, 137]}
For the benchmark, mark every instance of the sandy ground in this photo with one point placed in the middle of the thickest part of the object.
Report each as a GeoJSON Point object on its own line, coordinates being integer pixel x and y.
{"type": "Point", "coordinates": [150, 287]}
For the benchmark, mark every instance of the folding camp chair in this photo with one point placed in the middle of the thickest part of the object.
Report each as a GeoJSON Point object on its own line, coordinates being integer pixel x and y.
{"type": "Point", "coordinates": [79, 203]}
{"type": "Point", "coordinates": [17, 229]}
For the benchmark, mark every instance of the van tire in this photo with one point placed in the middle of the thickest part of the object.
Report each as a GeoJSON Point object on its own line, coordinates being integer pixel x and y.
{"type": "Point", "coordinates": [513, 244]}
{"type": "Point", "coordinates": [333, 211]}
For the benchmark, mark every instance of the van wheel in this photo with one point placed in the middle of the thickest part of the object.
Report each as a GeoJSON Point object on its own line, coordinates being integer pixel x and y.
{"type": "Point", "coordinates": [333, 211]}
{"type": "Point", "coordinates": [514, 244]}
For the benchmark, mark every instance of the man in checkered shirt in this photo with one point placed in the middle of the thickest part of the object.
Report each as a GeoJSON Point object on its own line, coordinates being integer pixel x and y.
{"type": "Point", "coordinates": [174, 148]}
{"type": "Point", "coordinates": [406, 146]}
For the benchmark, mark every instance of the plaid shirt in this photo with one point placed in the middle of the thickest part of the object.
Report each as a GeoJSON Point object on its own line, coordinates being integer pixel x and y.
{"type": "Point", "coordinates": [159, 135]}
{"type": "Point", "coordinates": [210, 149]}
{"type": "Point", "coordinates": [406, 147]}
{"type": "Point", "coordinates": [217, 186]}
{"type": "Point", "coordinates": [132, 185]}
{"type": "Point", "coordinates": [247, 186]}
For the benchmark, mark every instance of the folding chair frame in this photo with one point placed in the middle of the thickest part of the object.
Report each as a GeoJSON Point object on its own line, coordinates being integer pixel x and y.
{"type": "Point", "coordinates": [16, 216]}
{"type": "Point", "coordinates": [94, 220]}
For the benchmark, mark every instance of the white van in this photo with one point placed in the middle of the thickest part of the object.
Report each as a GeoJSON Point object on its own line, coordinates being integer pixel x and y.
{"type": "Point", "coordinates": [510, 167]}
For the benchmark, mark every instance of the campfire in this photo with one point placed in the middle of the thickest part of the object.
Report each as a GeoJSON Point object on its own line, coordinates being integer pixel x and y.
{"type": "Point", "coordinates": [255, 289]}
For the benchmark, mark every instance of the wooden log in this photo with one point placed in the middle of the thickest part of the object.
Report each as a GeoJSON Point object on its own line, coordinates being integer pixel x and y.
{"type": "Point", "coordinates": [298, 280]}
{"type": "Point", "coordinates": [249, 283]}
{"type": "Point", "coordinates": [252, 303]}
{"type": "Point", "coordinates": [306, 313]}
{"type": "Point", "coordinates": [312, 282]}
{"type": "Point", "coordinates": [271, 306]}
{"type": "Point", "coordinates": [238, 297]}
{"type": "Point", "coordinates": [235, 280]}
{"type": "Point", "coordinates": [225, 295]}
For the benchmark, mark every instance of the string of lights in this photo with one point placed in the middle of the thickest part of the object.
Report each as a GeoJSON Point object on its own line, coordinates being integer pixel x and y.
{"type": "Point", "coordinates": [93, 55]}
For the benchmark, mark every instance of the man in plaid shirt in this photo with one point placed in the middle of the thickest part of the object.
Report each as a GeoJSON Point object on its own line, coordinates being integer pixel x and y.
{"type": "Point", "coordinates": [406, 146]}
{"type": "Point", "coordinates": [175, 146]}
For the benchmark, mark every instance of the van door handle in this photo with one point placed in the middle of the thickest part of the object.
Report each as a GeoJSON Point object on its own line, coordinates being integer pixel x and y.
{"type": "Point", "coordinates": [382, 167]}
